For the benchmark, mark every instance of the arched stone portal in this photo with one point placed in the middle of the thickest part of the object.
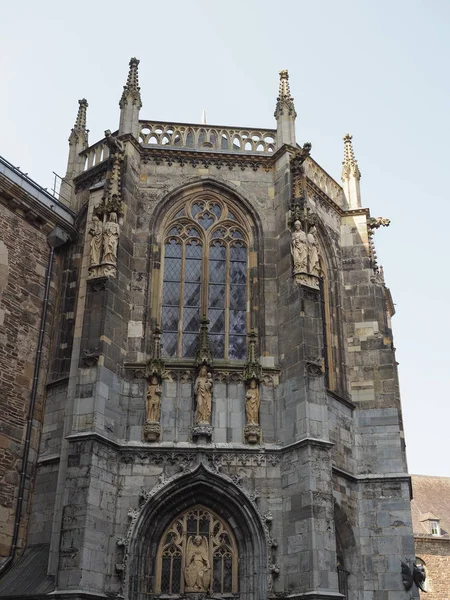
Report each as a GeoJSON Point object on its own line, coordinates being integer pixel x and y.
{"type": "Point", "coordinates": [221, 497]}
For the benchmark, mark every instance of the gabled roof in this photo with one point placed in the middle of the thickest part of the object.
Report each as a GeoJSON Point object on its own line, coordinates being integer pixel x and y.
{"type": "Point", "coordinates": [431, 502]}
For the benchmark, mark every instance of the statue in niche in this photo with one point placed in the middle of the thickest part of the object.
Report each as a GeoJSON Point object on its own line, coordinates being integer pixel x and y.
{"type": "Point", "coordinates": [197, 573]}
{"type": "Point", "coordinates": [203, 394]}
{"type": "Point", "coordinates": [313, 253]}
{"type": "Point", "coordinates": [299, 248]}
{"type": "Point", "coordinates": [252, 403]}
{"type": "Point", "coordinates": [96, 231]}
{"type": "Point", "coordinates": [111, 239]}
{"type": "Point", "coordinates": [153, 401]}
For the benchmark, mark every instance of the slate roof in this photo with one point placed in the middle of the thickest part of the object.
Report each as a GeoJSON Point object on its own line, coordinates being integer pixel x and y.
{"type": "Point", "coordinates": [28, 577]}
{"type": "Point", "coordinates": [431, 500]}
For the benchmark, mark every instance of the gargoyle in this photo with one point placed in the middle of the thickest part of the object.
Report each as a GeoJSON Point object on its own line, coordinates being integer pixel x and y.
{"type": "Point", "coordinates": [417, 576]}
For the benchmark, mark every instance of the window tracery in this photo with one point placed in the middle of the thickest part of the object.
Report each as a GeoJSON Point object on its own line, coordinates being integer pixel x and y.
{"type": "Point", "coordinates": [205, 273]}
{"type": "Point", "coordinates": [197, 553]}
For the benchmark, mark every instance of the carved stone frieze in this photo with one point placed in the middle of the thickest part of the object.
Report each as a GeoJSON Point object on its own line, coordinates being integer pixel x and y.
{"type": "Point", "coordinates": [206, 160]}
{"type": "Point", "coordinates": [244, 459]}
{"type": "Point", "coordinates": [185, 376]}
{"type": "Point", "coordinates": [235, 377]}
{"type": "Point", "coordinates": [189, 457]}
{"type": "Point", "coordinates": [158, 458]}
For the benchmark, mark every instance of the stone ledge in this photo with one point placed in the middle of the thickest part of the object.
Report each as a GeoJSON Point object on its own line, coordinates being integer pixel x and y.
{"type": "Point", "coordinates": [372, 477]}
{"type": "Point", "coordinates": [341, 399]}
{"type": "Point", "coordinates": [316, 595]}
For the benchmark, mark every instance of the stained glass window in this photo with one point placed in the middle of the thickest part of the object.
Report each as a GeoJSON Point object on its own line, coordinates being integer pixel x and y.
{"type": "Point", "coordinates": [197, 554]}
{"type": "Point", "coordinates": [205, 273]}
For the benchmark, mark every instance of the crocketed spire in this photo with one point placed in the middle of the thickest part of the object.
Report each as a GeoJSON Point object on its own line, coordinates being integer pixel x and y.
{"type": "Point", "coordinates": [349, 164]}
{"type": "Point", "coordinates": [351, 174]}
{"type": "Point", "coordinates": [284, 101]}
{"type": "Point", "coordinates": [132, 91]}
{"type": "Point", "coordinates": [79, 133]}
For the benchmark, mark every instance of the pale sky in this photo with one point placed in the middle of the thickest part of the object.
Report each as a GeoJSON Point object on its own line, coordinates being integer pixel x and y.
{"type": "Point", "coordinates": [379, 70]}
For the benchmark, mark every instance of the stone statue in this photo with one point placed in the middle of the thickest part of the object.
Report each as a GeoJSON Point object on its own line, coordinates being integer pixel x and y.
{"type": "Point", "coordinates": [252, 403]}
{"type": "Point", "coordinates": [197, 573]}
{"type": "Point", "coordinates": [203, 395]}
{"type": "Point", "coordinates": [96, 231]}
{"type": "Point", "coordinates": [114, 144]}
{"type": "Point", "coordinates": [299, 248]}
{"type": "Point", "coordinates": [153, 401]}
{"type": "Point", "coordinates": [313, 252]}
{"type": "Point", "coordinates": [111, 239]}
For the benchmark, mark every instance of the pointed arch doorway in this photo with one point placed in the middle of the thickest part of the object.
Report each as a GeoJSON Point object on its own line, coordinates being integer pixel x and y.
{"type": "Point", "coordinates": [200, 534]}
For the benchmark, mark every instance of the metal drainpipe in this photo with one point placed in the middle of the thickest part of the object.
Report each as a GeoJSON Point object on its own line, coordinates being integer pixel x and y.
{"type": "Point", "coordinates": [53, 241]}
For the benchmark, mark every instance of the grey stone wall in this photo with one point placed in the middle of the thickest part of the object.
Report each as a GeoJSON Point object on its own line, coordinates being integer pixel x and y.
{"type": "Point", "coordinates": [330, 463]}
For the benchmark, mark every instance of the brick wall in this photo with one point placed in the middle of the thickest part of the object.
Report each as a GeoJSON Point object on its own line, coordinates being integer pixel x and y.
{"type": "Point", "coordinates": [435, 553]}
{"type": "Point", "coordinates": [24, 261]}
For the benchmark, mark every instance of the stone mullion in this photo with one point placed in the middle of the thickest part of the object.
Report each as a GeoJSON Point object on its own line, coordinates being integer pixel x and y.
{"type": "Point", "coordinates": [180, 322]}
{"type": "Point", "coordinates": [227, 300]}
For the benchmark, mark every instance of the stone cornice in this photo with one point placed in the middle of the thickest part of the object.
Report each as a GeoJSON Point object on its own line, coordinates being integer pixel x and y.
{"type": "Point", "coordinates": [342, 400]}
{"type": "Point", "coordinates": [373, 477]}
{"type": "Point", "coordinates": [423, 537]}
{"type": "Point", "coordinates": [219, 159]}
{"type": "Point", "coordinates": [308, 441]}
{"type": "Point", "coordinates": [315, 595]}
{"type": "Point", "coordinates": [206, 158]}
{"type": "Point", "coordinates": [191, 446]}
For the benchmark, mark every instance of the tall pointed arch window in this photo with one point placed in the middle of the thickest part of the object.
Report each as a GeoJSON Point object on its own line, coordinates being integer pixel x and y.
{"type": "Point", "coordinates": [197, 553]}
{"type": "Point", "coordinates": [205, 273]}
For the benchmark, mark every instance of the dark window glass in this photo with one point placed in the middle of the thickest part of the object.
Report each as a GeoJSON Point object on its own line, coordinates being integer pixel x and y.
{"type": "Point", "coordinates": [222, 296]}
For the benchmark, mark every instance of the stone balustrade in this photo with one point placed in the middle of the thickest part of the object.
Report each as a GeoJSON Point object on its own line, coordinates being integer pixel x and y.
{"type": "Point", "coordinates": [324, 181]}
{"type": "Point", "coordinates": [95, 154]}
{"type": "Point", "coordinates": [227, 139]}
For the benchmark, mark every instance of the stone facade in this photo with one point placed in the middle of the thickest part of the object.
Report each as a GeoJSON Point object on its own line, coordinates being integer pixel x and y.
{"type": "Point", "coordinates": [431, 524]}
{"type": "Point", "coordinates": [311, 485]}
{"type": "Point", "coordinates": [24, 263]}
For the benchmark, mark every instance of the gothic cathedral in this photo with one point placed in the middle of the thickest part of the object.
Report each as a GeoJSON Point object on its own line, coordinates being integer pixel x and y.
{"type": "Point", "coordinates": [220, 412]}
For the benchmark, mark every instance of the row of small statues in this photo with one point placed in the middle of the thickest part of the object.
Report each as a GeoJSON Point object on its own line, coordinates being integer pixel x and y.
{"type": "Point", "coordinates": [105, 239]}
{"type": "Point", "coordinates": [203, 387]}
{"type": "Point", "coordinates": [305, 250]}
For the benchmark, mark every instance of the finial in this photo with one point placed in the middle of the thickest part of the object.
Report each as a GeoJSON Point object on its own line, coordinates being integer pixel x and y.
{"type": "Point", "coordinates": [204, 355]}
{"type": "Point", "coordinates": [349, 164]}
{"type": "Point", "coordinates": [80, 122]}
{"type": "Point", "coordinates": [253, 369]}
{"type": "Point", "coordinates": [204, 117]}
{"type": "Point", "coordinates": [79, 131]}
{"type": "Point", "coordinates": [132, 91]}
{"type": "Point", "coordinates": [284, 100]}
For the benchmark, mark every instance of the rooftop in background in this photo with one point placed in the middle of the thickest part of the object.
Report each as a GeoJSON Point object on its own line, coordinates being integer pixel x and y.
{"type": "Point", "coordinates": [36, 202]}
{"type": "Point", "coordinates": [431, 502]}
